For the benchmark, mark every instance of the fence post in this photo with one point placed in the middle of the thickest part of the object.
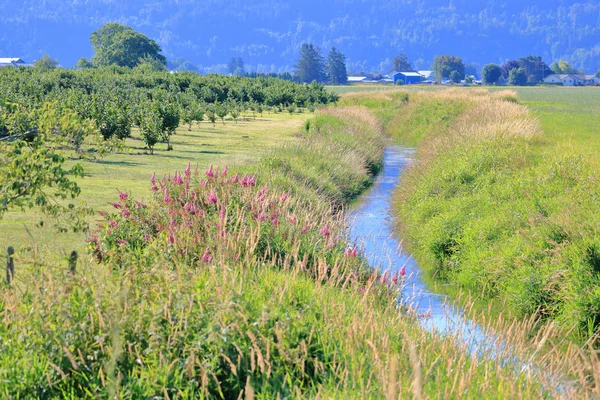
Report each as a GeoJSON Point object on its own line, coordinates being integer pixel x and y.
{"type": "Point", "coordinates": [10, 265]}
{"type": "Point", "coordinates": [73, 262]}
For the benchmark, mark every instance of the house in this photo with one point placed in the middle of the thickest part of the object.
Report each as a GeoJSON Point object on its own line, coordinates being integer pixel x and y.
{"type": "Point", "coordinates": [15, 62]}
{"type": "Point", "coordinates": [427, 75]}
{"type": "Point", "coordinates": [408, 78]}
{"type": "Point", "coordinates": [357, 79]}
{"type": "Point", "coordinates": [572, 79]}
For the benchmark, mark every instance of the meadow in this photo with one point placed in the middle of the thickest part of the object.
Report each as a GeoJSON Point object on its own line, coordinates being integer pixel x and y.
{"type": "Point", "coordinates": [230, 143]}
{"type": "Point", "coordinates": [229, 274]}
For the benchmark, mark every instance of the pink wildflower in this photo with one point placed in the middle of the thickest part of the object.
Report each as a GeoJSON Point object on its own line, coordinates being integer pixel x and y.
{"type": "Point", "coordinates": [178, 179]}
{"type": "Point", "coordinates": [275, 221]}
{"type": "Point", "coordinates": [122, 195]}
{"type": "Point", "coordinates": [171, 239]}
{"type": "Point", "coordinates": [235, 179]}
{"type": "Point", "coordinates": [402, 271]}
{"type": "Point", "coordinates": [153, 178]}
{"type": "Point", "coordinates": [261, 217]}
{"type": "Point", "coordinates": [126, 213]}
{"type": "Point", "coordinates": [224, 173]}
{"type": "Point", "coordinates": [207, 257]}
{"type": "Point", "coordinates": [188, 170]}
{"type": "Point", "coordinates": [166, 197]}
{"type": "Point", "coordinates": [122, 242]}
{"type": "Point", "coordinates": [244, 181]}
{"type": "Point", "coordinates": [252, 180]}
{"type": "Point", "coordinates": [112, 223]}
{"type": "Point", "coordinates": [115, 205]}
{"type": "Point", "coordinates": [304, 229]}
{"type": "Point", "coordinates": [212, 198]}
{"type": "Point", "coordinates": [293, 219]}
{"type": "Point", "coordinates": [154, 188]}
{"type": "Point", "coordinates": [203, 183]}
{"type": "Point", "coordinates": [210, 172]}
{"type": "Point", "coordinates": [284, 197]}
{"type": "Point", "coordinates": [325, 231]}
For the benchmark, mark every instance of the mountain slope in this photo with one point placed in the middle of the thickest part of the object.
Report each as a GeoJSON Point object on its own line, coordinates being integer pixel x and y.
{"type": "Point", "coordinates": [267, 33]}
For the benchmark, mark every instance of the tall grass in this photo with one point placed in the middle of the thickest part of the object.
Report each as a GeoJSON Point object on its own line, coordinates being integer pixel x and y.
{"type": "Point", "coordinates": [239, 288]}
{"type": "Point", "coordinates": [482, 209]}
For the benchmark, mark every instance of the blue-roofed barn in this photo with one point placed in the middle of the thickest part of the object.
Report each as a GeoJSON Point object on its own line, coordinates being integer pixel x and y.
{"type": "Point", "coordinates": [409, 78]}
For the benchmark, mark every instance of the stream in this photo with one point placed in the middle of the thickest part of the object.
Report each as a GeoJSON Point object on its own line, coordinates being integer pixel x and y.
{"type": "Point", "coordinates": [372, 228]}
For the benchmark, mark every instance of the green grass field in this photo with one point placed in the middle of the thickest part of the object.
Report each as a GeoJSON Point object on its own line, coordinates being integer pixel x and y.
{"type": "Point", "coordinates": [129, 170]}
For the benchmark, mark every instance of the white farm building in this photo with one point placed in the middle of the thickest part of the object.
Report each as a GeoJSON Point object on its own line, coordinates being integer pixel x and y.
{"type": "Point", "coordinates": [572, 79]}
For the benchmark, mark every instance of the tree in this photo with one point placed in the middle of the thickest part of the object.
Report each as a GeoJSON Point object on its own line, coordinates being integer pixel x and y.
{"type": "Point", "coordinates": [444, 65]}
{"type": "Point", "coordinates": [598, 73]}
{"type": "Point", "coordinates": [84, 63]}
{"type": "Point", "coordinates": [517, 77]}
{"type": "Point", "coordinates": [490, 74]}
{"type": "Point", "coordinates": [116, 44]}
{"type": "Point", "coordinates": [336, 68]}
{"type": "Point", "coordinates": [455, 76]}
{"type": "Point", "coordinates": [148, 64]}
{"type": "Point", "coordinates": [151, 128]}
{"type": "Point", "coordinates": [236, 66]}
{"type": "Point", "coordinates": [509, 66]}
{"type": "Point", "coordinates": [535, 69]}
{"type": "Point", "coordinates": [401, 64]}
{"type": "Point", "coordinates": [563, 67]}
{"type": "Point", "coordinates": [45, 63]}
{"type": "Point", "coordinates": [310, 66]}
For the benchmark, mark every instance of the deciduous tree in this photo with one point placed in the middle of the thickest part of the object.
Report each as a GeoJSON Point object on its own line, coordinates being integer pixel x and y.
{"type": "Point", "coordinates": [444, 65]}
{"type": "Point", "coordinates": [45, 63]}
{"type": "Point", "coordinates": [490, 74]}
{"type": "Point", "coordinates": [517, 77]}
{"type": "Point", "coordinates": [116, 44]}
{"type": "Point", "coordinates": [401, 64]}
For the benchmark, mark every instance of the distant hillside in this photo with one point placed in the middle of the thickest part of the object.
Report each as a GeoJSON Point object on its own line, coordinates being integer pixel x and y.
{"type": "Point", "coordinates": [268, 33]}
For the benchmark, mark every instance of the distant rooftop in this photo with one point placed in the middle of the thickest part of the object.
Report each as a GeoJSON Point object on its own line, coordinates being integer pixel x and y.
{"type": "Point", "coordinates": [9, 60]}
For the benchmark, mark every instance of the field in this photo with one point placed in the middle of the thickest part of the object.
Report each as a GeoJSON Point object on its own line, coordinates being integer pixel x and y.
{"type": "Point", "coordinates": [502, 199]}
{"type": "Point", "coordinates": [220, 285]}
{"type": "Point", "coordinates": [230, 144]}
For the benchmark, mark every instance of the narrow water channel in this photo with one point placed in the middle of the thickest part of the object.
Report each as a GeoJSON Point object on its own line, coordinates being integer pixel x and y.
{"type": "Point", "coordinates": [372, 227]}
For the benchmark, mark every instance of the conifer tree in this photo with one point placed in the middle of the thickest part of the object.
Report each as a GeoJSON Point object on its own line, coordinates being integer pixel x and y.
{"type": "Point", "coordinates": [336, 68]}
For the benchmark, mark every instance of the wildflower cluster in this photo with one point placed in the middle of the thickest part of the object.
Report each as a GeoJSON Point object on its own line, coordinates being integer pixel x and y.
{"type": "Point", "coordinates": [206, 217]}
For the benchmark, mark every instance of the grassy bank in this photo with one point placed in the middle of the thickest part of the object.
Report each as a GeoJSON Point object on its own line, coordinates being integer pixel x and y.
{"type": "Point", "coordinates": [239, 284]}
{"type": "Point", "coordinates": [495, 205]}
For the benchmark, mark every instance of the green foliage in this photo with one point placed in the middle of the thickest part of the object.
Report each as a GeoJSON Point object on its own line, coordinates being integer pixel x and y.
{"type": "Point", "coordinates": [400, 63]}
{"type": "Point", "coordinates": [563, 67]}
{"type": "Point", "coordinates": [445, 65]}
{"type": "Point", "coordinates": [116, 44]}
{"type": "Point", "coordinates": [310, 66]}
{"type": "Point", "coordinates": [32, 175]}
{"type": "Point", "coordinates": [490, 74]}
{"type": "Point", "coordinates": [45, 63]}
{"type": "Point", "coordinates": [336, 68]}
{"type": "Point", "coordinates": [455, 76]}
{"type": "Point", "coordinates": [492, 214]}
{"type": "Point", "coordinates": [517, 77]}
{"type": "Point", "coordinates": [151, 128]}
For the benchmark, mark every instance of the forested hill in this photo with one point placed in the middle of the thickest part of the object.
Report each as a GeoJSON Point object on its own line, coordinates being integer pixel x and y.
{"type": "Point", "coordinates": [268, 33]}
